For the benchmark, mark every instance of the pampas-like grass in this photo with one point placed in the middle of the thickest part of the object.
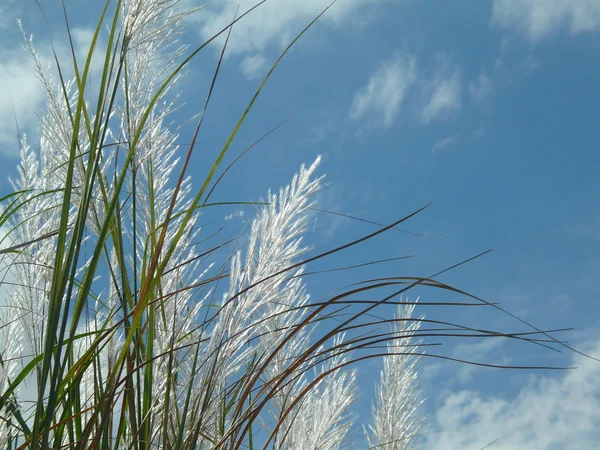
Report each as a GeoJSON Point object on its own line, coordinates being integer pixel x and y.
{"type": "Point", "coordinates": [121, 331]}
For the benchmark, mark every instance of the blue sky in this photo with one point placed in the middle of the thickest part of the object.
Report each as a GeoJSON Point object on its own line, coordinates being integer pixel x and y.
{"type": "Point", "coordinates": [487, 109]}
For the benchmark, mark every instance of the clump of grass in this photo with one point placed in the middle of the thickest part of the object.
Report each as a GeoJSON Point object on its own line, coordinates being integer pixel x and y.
{"type": "Point", "coordinates": [122, 326]}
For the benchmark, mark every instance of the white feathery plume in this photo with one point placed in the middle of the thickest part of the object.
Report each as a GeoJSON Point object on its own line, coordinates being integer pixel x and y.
{"type": "Point", "coordinates": [321, 419]}
{"type": "Point", "coordinates": [394, 410]}
{"type": "Point", "coordinates": [32, 267]}
{"type": "Point", "coordinates": [10, 362]}
{"type": "Point", "coordinates": [274, 244]}
{"type": "Point", "coordinates": [152, 26]}
{"type": "Point", "coordinates": [40, 215]}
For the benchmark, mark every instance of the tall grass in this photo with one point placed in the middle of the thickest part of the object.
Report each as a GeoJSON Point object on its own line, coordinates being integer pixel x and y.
{"type": "Point", "coordinates": [123, 330]}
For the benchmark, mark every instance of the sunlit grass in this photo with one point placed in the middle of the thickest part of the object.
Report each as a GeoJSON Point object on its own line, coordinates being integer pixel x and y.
{"type": "Point", "coordinates": [133, 335]}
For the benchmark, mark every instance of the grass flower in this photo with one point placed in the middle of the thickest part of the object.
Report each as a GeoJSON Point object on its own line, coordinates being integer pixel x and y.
{"type": "Point", "coordinates": [123, 323]}
{"type": "Point", "coordinates": [394, 412]}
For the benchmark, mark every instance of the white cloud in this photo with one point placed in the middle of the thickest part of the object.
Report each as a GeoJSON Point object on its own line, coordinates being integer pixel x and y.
{"type": "Point", "coordinates": [9, 11]}
{"type": "Point", "coordinates": [477, 351]}
{"type": "Point", "coordinates": [4, 17]}
{"type": "Point", "coordinates": [330, 199]}
{"type": "Point", "coordinates": [326, 120]}
{"type": "Point", "coordinates": [380, 100]}
{"type": "Point", "coordinates": [253, 66]}
{"type": "Point", "coordinates": [273, 24]}
{"type": "Point", "coordinates": [443, 143]}
{"type": "Point", "coordinates": [538, 19]}
{"type": "Point", "coordinates": [483, 350]}
{"type": "Point", "coordinates": [21, 88]}
{"type": "Point", "coordinates": [444, 90]}
{"type": "Point", "coordinates": [481, 90]}
{"type": "Point", "coordinates": [548, 413]}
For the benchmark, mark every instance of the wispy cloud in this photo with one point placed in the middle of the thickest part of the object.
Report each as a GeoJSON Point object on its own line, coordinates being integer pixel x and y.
{"type": "Point", "coordinates": [443, 143]}
{"type": "Point", "coordinates": [380, 100]}
{"type": "Point", "coordinates": [273, 24]}
{"type": "Point", "coordinates": [330, 199]}
{"type": "Point", "coordinates": [22, 94]}
{"type": "Point", "coordinates": [9, 11]}
{"type": "Point", "coordinates": [537, 19]}
{"type": "Point", "coordinates": [478, 351]}
{"type": "Point", "coordinates": [484, 350]}
{"type": "Point", "coordinates": [326, 123]}
{"type": "Point", "coordinates": [22, 91]}
{"type": "Point", "coordinates": [481, 90]}
{"type": "Point", "coordinates": [443, 91]}
{"type": "Point", "coordinates": [548, 413]}
{"type": "Point", "coordinates": [253, 66]}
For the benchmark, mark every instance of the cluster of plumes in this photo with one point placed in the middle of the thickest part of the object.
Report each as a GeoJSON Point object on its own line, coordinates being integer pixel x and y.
{"type": "Point", "coordinates": [204, 353]}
